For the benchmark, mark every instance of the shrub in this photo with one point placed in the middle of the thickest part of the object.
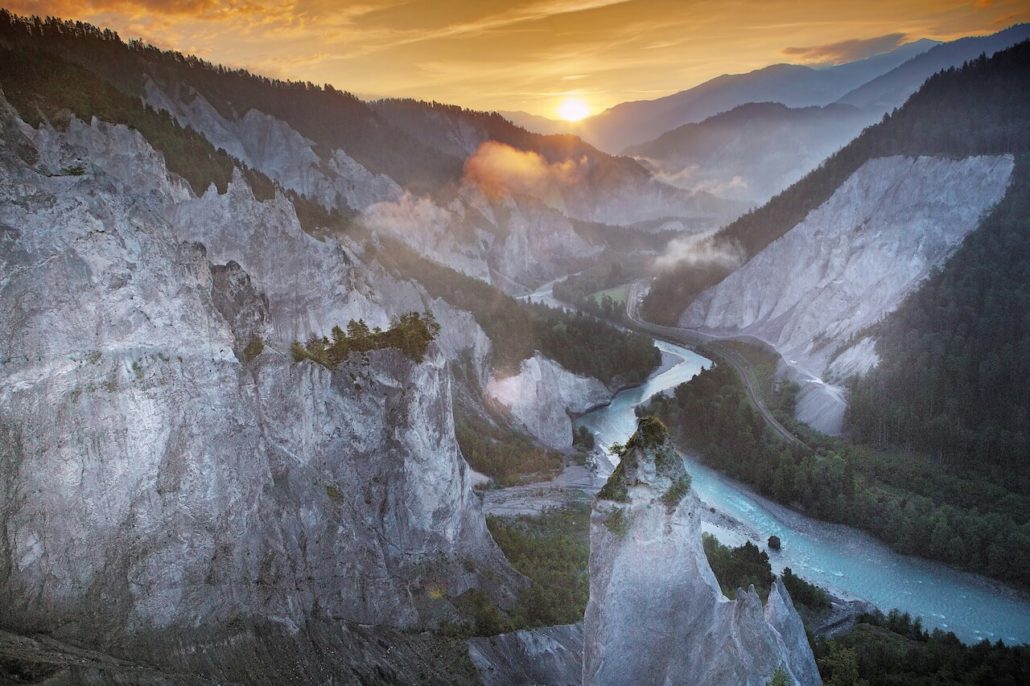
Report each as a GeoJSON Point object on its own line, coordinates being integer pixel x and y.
{"type": "Point", "coordinates": [738, 567]}
{"type": "Point", "coordinates": [253, 349]}
{"type": "Point", "coordinates": [651, 433]}
{"type": "Point", "coordinates": [483, 615]}
{"type": "Point", "coordinates": [803, 592]}
{"type": "Point", "coordinates": [674, 495]}
{"type": "Point", "coordinates": [334, 493]}
{"type": "Point", "coordinates": [503, 454]}
{"type": "Point", "coordinates": [617, 522]}
{"type": "Point", "coordinates": [553, 550]}
{"type": "Point", "coordinates": [615, 488]}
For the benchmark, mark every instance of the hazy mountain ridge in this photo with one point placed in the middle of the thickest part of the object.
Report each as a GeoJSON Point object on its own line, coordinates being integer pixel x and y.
{"type": "Point", "coordinates": [982, 117]}
{"type": "Point", "coordinates": [753, 151]}
{"type": "Point", "coordinates": [633, 123]}
{"type": "Point", "coordinates": [433, 163]}
{"type": "Point", "coordinates": [766, 156]}
{"type": "Point", "coordinates": [891, 89]}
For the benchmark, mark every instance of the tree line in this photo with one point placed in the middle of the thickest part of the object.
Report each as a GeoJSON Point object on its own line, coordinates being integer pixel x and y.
{"type": "Point", "coordinates": [411, 333]}
{"type": "Point", "coordinates": [955, 356]}
{"type": "Point", "coordinates": [329, 117]}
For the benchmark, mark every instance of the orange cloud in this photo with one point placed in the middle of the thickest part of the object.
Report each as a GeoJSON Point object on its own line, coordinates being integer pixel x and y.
{"type": "Point", "coordinates": [520, 54]}
{"type": "Point", "coordinates": [498, 169]}
{"type": "Point", "coordinates": [68, 8]}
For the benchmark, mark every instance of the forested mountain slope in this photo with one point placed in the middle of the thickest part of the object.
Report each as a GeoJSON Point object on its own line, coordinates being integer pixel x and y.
{"type": "Point", "coordinates": [954, 358]}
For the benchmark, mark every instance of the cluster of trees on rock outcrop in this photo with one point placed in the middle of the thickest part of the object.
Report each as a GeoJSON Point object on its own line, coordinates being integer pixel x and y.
{"type": "Point", "coordinates": [411, 333]}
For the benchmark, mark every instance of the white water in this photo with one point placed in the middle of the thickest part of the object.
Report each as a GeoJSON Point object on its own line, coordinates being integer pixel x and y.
{"type": "Point", "coordinates": [842, 559]}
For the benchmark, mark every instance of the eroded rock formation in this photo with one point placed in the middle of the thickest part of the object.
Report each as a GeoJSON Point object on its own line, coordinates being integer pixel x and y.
{"type": "Point", "coordinates": [656, 613]}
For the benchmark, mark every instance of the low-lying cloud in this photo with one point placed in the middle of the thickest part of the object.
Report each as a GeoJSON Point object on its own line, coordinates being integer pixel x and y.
{"type": "Point", "coordinates": [498, 168]}
{"type": "Point", "coordinates": [699, 251]}
{"type": "Point", "coordinates": [409, 216]}
{"type": "Point", "coordinates": [846, 51]}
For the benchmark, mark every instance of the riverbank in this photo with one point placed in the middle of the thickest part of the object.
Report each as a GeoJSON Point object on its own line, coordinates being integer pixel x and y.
{"type": "Point", "coordinates": [848, 562]}
{"type": "Point", "coordinates": [577, 485]}
{"type": "Point", "coordinates": [668, 362]}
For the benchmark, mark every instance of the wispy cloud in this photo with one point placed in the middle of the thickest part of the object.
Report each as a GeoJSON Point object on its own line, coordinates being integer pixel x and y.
{"type": "Point", "coordinates": [847, 50]}
{"type": "Point", "coordinates": [699, 251]}
{"type": "Point", "coordinates": [498, 169]}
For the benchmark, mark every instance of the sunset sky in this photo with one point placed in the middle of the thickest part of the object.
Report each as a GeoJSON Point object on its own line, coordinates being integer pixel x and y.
{"type": "Point", "coordinates": [529, 54]}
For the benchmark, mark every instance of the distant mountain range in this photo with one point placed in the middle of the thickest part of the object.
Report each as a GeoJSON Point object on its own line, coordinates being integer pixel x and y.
{"type": "Point", "coordinates": [752, 152]}
{"type": "Point", "coordinates": [879, 83]}
{"type": "Point", "coordinates": [632, 123]}
{"type": "Point", "coordinates": [891, 89]}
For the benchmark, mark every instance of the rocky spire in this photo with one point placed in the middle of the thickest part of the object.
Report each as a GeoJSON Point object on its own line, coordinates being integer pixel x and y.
{"type": "Point", "coordinates": [656, 614]}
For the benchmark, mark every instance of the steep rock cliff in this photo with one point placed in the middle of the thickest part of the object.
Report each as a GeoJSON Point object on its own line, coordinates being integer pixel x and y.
{"type": "Point", "coordinates": [278, 150]}
{"type": "Point", "coordinates": [550, 655]}
{"type": "Point", "coordinates": [498, 240]}
{"type": "Point", "coordinates": [154, 482]}
{"type": "Point", "coordinates": [813, 291]}
{"type": "Point", "coordinates": [542, 395]}
{"type": "Point", "coordinates": [656, 614]}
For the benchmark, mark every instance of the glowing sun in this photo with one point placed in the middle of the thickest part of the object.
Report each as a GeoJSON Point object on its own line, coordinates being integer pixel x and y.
{"type": "Point", "coordinates": [573, 109]}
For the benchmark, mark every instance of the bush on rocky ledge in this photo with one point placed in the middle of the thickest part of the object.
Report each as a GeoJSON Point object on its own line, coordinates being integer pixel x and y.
{"type": "Point", "coordinates": [411, 333]}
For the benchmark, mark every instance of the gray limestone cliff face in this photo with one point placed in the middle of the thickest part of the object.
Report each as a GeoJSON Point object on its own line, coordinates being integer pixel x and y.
{"type": "Point", "coordinates": [154, 483]}
{"type": "Point", "coordinates": [551, 655]}
{"type": "Point", "coordinates": [497, 241]}
{"type": "Point", "coordinates": [813, 292]}
{"type": "Point", "coordinates": [542, 395]}
{"type": "Point", "coordinates": [656, 614]}
{"type": "Point", "coordinates": [510, 242]}
{"type": "Point", "coordinates": [278, 150]}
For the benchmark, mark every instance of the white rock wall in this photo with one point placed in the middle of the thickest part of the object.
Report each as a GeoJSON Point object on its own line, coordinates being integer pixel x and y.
{"type": "Point", "coordinates": [542, 395]}
{"type": "Point", "coordinates": [656, 614]}
{"type": "Point", "coordinates": [853, 260]}
{"type": "Point", "coordinates": [149, 479]}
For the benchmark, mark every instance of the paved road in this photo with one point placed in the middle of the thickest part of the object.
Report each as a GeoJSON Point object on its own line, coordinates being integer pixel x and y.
{"type": "Point", "coordinates": [706, 342]}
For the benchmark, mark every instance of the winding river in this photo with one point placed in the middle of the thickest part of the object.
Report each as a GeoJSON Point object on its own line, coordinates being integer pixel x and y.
{"type": "Point", "coordinates": [842, 559]}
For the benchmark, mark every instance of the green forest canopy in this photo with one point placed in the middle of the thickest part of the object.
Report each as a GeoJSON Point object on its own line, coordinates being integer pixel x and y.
{"type": "Point", "coordinates": [965, 520]}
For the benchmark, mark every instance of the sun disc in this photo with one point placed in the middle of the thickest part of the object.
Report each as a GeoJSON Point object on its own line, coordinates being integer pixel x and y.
{"type": "Point", "coordinates": [573, 109]}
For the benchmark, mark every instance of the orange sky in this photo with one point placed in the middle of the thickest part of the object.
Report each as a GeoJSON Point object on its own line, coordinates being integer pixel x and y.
{"type": "Point", "coordinates": [528, 54]}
